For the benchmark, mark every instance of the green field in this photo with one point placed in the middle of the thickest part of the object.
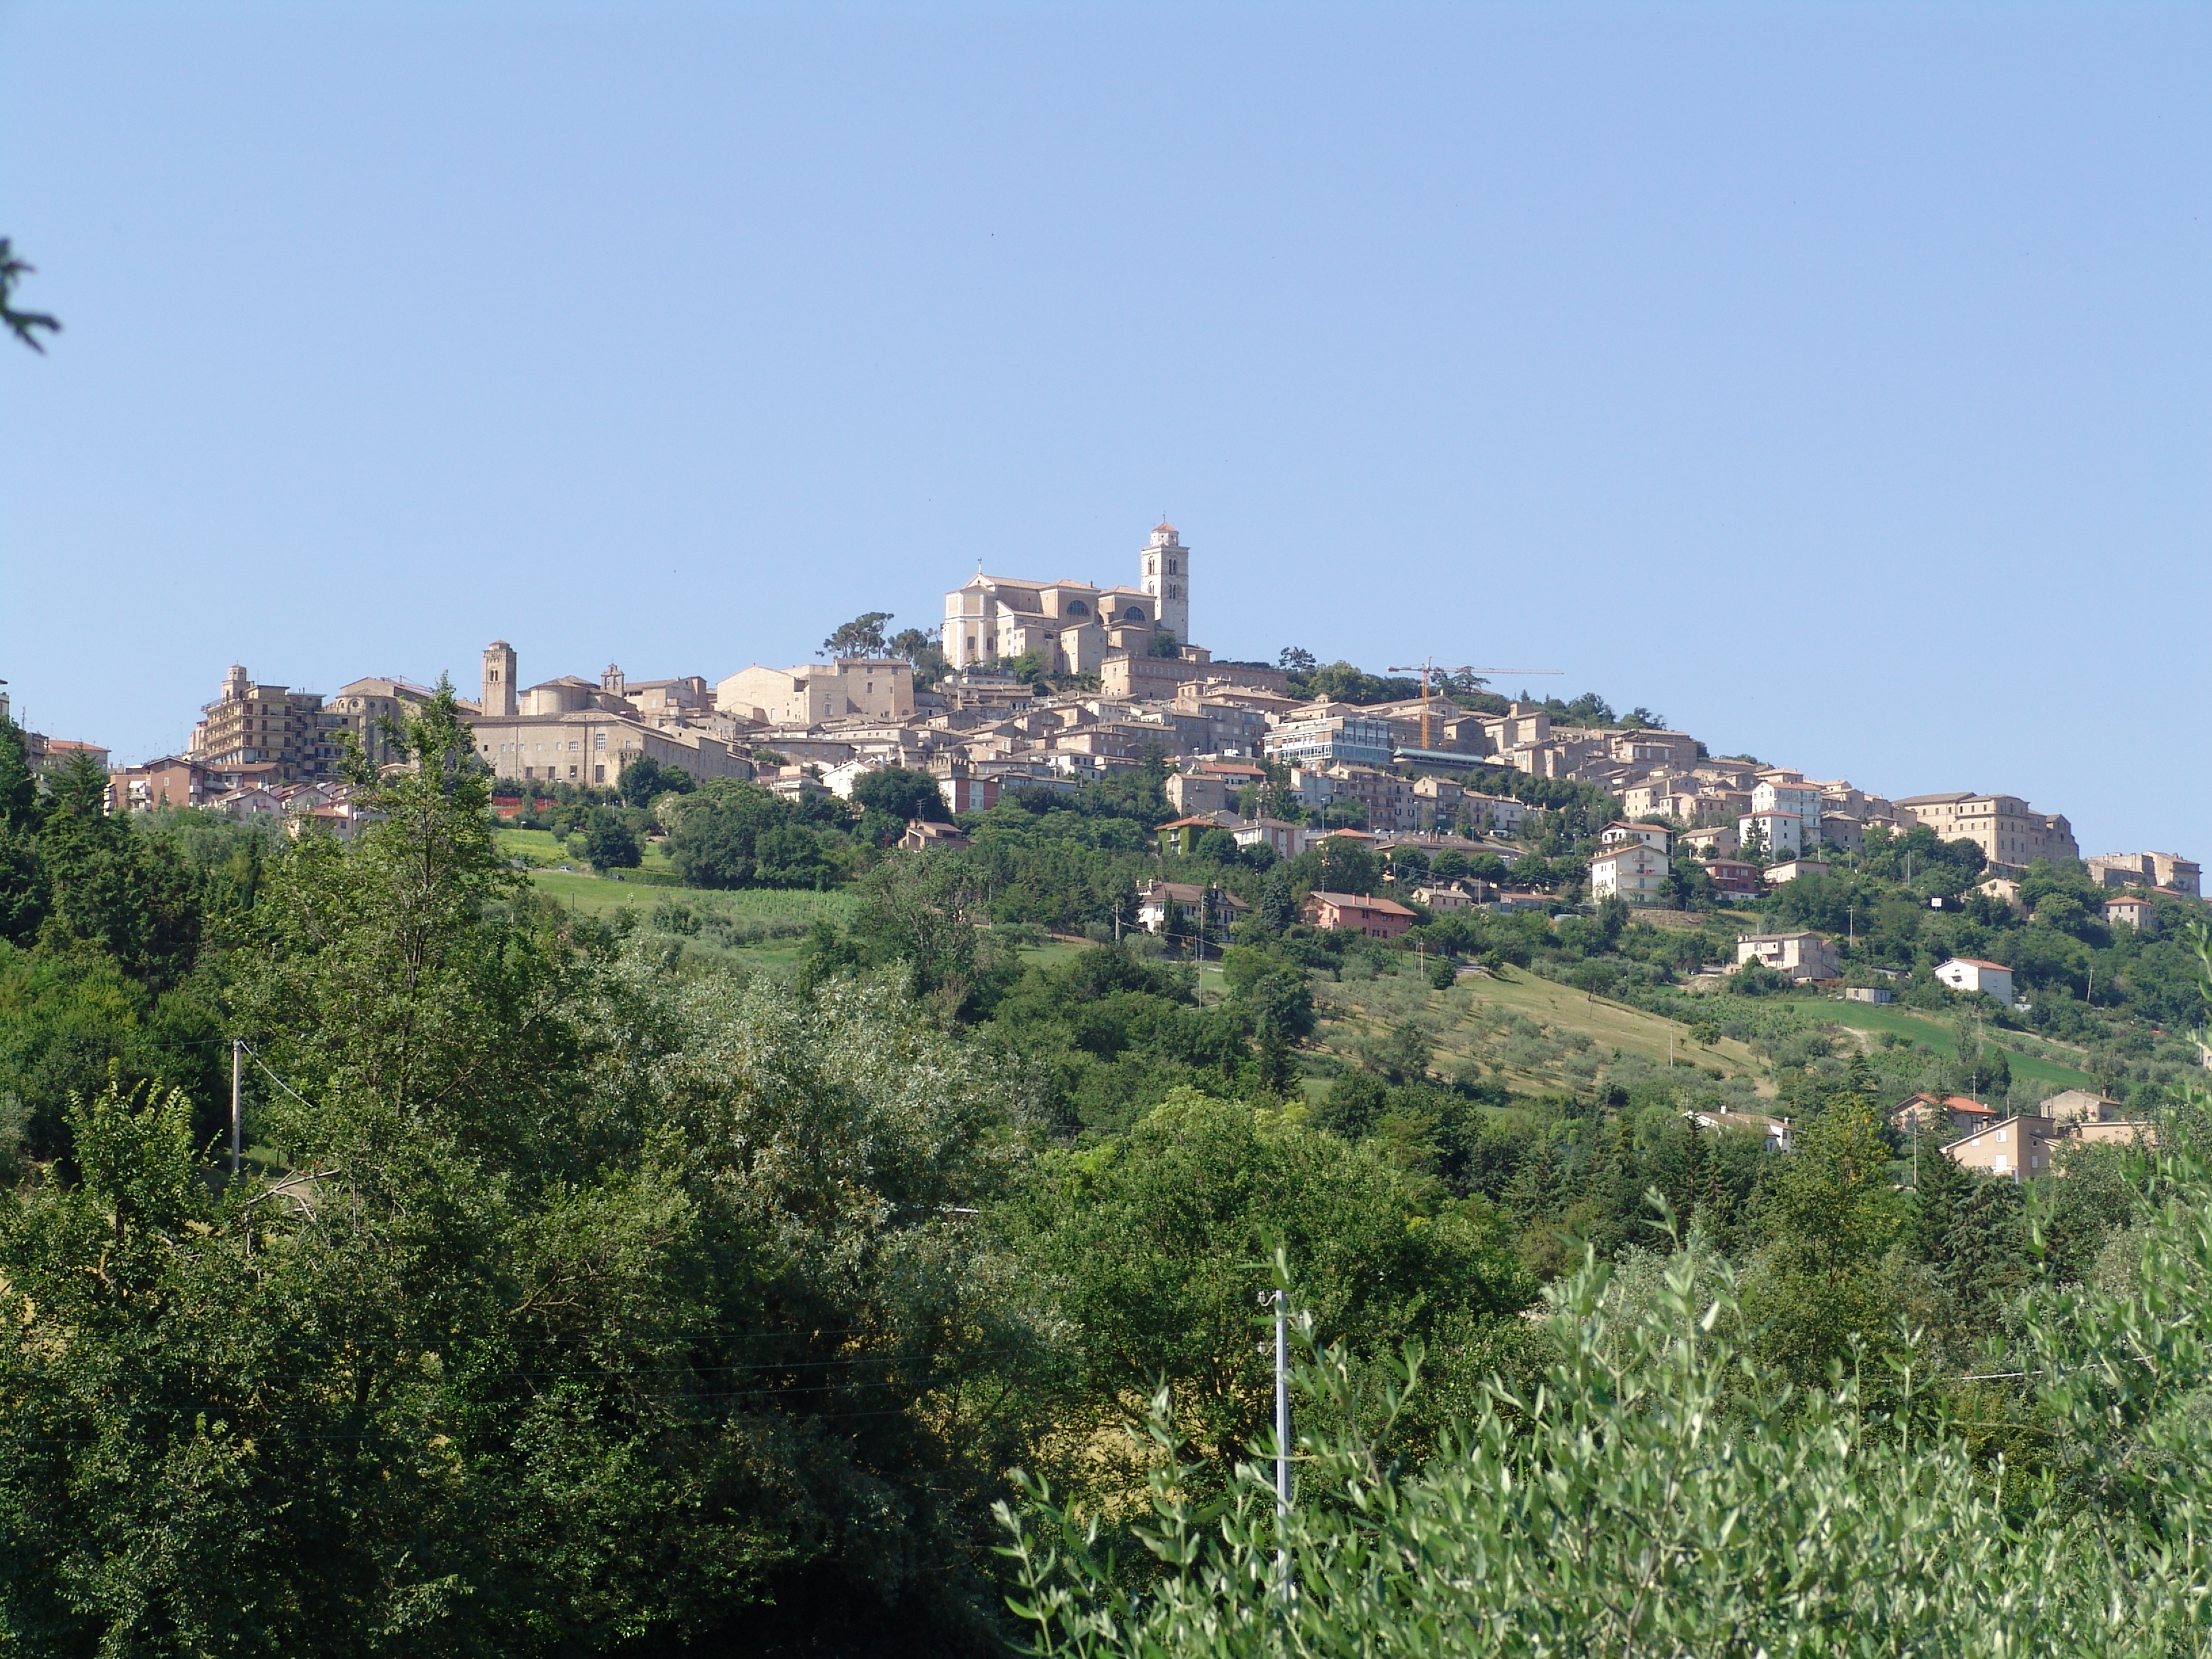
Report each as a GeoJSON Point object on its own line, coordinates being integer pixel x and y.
{"type": "Point", "coordinates": [763, 929]}
{"type": "Point", "coordinates": [2031, 1059]}
{"type": "Point", "coordinates": [540, 850]}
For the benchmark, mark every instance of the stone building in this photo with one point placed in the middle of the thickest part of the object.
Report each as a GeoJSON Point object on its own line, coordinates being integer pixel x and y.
{"type": "Point", "coordinates": [572, 730]}
{"type": "Point", "coordinates": [374, 709]}
{"type": "Point", "coordinates": [2006, 828]}
{"type": "Point", "coordinates": [1800, 957]}
{"type": "Point", "coordinates": [814, 694]}
{"type": "Point", "coordinates": [2167, 870]}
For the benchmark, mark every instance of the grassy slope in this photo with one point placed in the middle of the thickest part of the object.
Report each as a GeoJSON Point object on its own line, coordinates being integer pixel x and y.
{"type": "Point", "coordinates": [1357, 1008]}
{"type": "Point", "coordinates": [2038, 1063]}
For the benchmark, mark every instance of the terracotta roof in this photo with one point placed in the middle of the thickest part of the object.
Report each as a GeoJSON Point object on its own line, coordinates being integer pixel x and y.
{"type": "Point", "coordinates": [1976, 962]}
{"type": "Point", "coordinates": [1361, 902]}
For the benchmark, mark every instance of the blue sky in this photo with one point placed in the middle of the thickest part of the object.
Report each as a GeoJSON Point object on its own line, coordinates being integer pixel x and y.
{"type": "Point", "coordinates": [1832, 380]}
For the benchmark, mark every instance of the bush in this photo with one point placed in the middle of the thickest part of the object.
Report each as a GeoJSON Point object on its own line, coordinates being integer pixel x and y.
{"type": "Point", "coordinates": [610, 843]}
{"type": "Point", "coordinates": [1658, 1495]}
{"type": "Point", "coordinates": [902, 793]}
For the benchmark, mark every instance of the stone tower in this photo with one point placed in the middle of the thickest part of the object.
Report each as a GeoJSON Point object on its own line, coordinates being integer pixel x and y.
{"type": "Point", "coordinates": [1167, 579]}
{"type": "Point", "coordinates": [499, 691]}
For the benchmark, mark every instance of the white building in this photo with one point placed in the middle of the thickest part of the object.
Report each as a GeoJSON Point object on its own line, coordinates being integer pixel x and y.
{"type": "Point", "coordinates": [1632, 870]}
{"type": "Point", "coordinates": [1501, 814]}
{"type": "Point", "coordinates": [1972, 973]}
{"type": "Point", "coordinates": [840, 779]}
{"type": "Point", "coordinates": [1781, 833]}
{"type": "Point", "coordinates": [1804, 800]}
{"type": "Point", "coordinates": [1657, 837]}
{"type": "Point", "coordinates": [1315, 788]}
{"type": "Point", "coordinates": [1289, 840]}
{"type": "Point", "coordinates": [1798, 955]}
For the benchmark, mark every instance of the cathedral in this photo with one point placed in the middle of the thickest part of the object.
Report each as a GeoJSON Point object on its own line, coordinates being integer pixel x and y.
{"type": "Point", "coordinates": [1072, 627]}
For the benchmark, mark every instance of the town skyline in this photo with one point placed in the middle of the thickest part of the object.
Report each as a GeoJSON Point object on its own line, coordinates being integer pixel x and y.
{"type": "Point", "coordinates": [1031, 681]}
{"type": "Point", "coordinates": [1764, 418]}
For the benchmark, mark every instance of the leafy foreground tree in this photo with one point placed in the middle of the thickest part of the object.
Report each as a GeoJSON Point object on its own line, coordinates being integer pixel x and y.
{"type": "Point", "coordinates": [566, 1306]}
{"type": "Point", "coordinates": [1664, 1492]}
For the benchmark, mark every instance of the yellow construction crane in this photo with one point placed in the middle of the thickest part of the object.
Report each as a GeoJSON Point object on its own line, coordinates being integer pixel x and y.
{"type": "Point", "coordinates": [1428, 667]}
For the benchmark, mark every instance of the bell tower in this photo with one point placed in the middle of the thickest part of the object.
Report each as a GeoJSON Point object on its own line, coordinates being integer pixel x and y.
{"type": "Point", "coordinates": [499, 696]}
{"type": "Point", "coordinates": [1165, 563]}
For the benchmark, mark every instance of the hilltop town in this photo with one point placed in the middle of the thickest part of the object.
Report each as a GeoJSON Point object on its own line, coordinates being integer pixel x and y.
{"type": "Point", "coordinates": [1043, 685]}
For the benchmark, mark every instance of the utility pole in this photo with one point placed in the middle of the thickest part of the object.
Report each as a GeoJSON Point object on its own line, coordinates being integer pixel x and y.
{"type": "Point", "coordinates": [237, 1077]}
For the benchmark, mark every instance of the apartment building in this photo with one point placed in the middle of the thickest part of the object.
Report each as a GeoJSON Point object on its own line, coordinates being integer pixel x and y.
{"type": "Point", "coordinates": [251, 724]}
{"type": "Point", "coordinates": [1800, 800]}
{"type": "Point", "coordinates": [1388, 799]}
{"type": "Point", "coordinates": [1499, 815]}
{"type": "Point", "coordinates": [1779, 834]}
{"type": "Point", "coordinates": [1287, 839]}
{"type": "Point", "coordinates": [1632, 870]}
{"type": "Point", "coordinates": [2006, 828]}
{"type": "Point", "coordinates": [1337, 740]}
{"type": "Point", "coordinates": [1648, 745]}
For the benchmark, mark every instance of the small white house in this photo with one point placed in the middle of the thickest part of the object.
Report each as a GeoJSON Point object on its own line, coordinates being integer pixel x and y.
{"type": "Point", "coordinates": [840, 779]}
{"type": "Point", "coordinates": [1657, 837]}
{"type": "Point", "coordinates": [1972, 973]}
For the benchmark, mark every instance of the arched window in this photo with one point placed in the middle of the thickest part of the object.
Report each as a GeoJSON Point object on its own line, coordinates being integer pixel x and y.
{"type": "Point", "coordinates": [1134, 613]}
{"type": "Point", "coordinates": [1076, 608]}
